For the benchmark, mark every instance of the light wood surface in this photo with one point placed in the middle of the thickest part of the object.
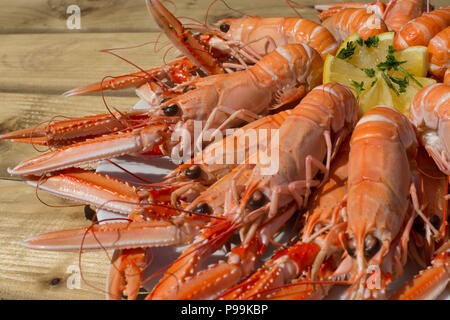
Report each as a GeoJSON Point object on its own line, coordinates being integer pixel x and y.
{"type": "Point", "coordinates": [40, 59]}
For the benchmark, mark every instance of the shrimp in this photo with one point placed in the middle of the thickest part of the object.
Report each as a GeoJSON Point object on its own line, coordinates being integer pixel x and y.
{"type": "Point", "coordinates": [429, 283]}
{"type": "Point", "coordinates": [381, 177]}
{"type": "Point", "coordinates": [216, 102]}
{"type": "Point", "coordinates": [217, 50]}
{"type": "Point", "coordinates": [263, 203]}
{"type": "Point", "coordinates": [439, 52]}
{"type": "Point", "coordinates": [419, 31]}
{"type": "Point", "coordinates": [395, 14]}
{"type": "Point", "coordinates": [350, 20]}
{"type": "Point", "coordinates": [400, 12]}
{"type": "Point", "coordinates": [265, 34]}
{"type": "Point", "coordinates": [433, 186]}
{"type": "Point", "coordinates": [331, 104]}
{"type": "Point", "coordinates": [180, 186]}
{"type": "Point", "coordinates": [430, 114]}
{"type": "Point", "coordinates": [447, 77]}
{"type": "Point", "coordinates": [324, 227]}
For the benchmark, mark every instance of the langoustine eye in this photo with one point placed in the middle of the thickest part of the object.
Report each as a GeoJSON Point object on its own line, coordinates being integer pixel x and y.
{"type": "Point", "coordinates": [257, 200]}
{"type": "Point", "coordinates": [171, 110]}
{"type": "Point", "coordinates": [203, 208]}
{"type": "Point", "coordinates": [351, 246]}
{"type": "Point", "coordinates": [371, 246]}
{"type": "Point", "coordinates": [193, 172]}
{"type": "Point", "coordinates": [224, 27]}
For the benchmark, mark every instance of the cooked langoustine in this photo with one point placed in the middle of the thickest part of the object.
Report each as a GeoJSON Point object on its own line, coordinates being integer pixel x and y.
{"type": "Point", "coordinates": [179, 187]}
{"type": "Point", "coordinates": [350, 20]}
{"type": "Point", "coordinates": [419, 31]}
{"type": "Point", "coordinates": [265, 34]}
{"type": "Point", "coordinates": [400, 12]}
{"type": "Point", "coordinates": [429, 283]}
{"type": "Point", "coordinates": [447, 77]}
{"type": "Point", "coordinates": [381, 178]}
{"type": "Point", "coordinates": [329, 9]}
{"type": "Point", "coordinates": [266, 201]}
{"type": "Point", "coordinates": [218, 102]}
{"type": "Point", "coordinates": [429, 247]}
{"type": "Point", "coordinates": [234, 44]}
{"type": "Point", "coordinates": [438, 49]}
{"type": "Point", "coordinates": [333, 105]}
{"type": "Point", "coordinates": [284, 275]}
{"type": "Point", "coordinates": [426, 238]}
{"type": "Point", "coordinates": [430, 114]}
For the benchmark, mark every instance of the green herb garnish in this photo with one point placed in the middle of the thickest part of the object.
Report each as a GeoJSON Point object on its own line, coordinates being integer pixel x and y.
{"type": "Point", "coordinates": [348, 51]}
{"type": "Point", "coordinates": [402, 83]}
{"type": "Point", "coordinates": [370, 72]}
{"type": "Point", "coordinates": [359, 86]}
{"type": "Point", "coordinates": [410, 76]}
{"type": "Point", "coordinates": [389, 83]}
{"type": "Point", "coordinates": [372, 42]}
{"type": "Point", "coordinates": [391, 62]}
{"type": "Point", "coordinates": [360, 41]}
{"type": "Point", "coordinates": [373, 82]}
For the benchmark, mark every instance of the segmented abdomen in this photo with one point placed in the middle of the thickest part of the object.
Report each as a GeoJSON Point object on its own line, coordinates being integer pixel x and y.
{"type": "Point", "coordinates": [439, 50]}
{"type": "Point", "coordinates": [429, 105]}
{"type": "Point", "coordinates": [402, 12]}
{"type": "Point", "coordinates": [257, 31]}
{"type": "Point", "coordinates": [418, 32]}
{"type": "Point", "coordinates": [351, 20]}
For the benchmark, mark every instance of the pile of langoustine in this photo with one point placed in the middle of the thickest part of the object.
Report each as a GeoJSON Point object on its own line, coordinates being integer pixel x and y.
{"type": "Point", "coordinates": [369, 193]}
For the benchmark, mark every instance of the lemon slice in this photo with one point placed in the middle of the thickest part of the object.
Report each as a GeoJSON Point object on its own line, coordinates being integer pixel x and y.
{"type": "Point", "coordinates": [417, 60]}
{"type": "Point", "coordinates": [356, 66]}
{"type": "Point", "coordinates": [366, 56]}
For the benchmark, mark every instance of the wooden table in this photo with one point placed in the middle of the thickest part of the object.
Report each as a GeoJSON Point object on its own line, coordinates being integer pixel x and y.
{"type": "Point", "coordinates": [40, 58]}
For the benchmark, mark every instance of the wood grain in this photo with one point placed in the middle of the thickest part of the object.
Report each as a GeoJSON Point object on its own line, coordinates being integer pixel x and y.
{"type": "Point", "coordinates": [55, 63]}
{"type": "Point", "coordinates": [49, 16]}
{"type": "Point", "coordinates": [20, 111]}
{"type": "Point", "coordinates": [30, 274]}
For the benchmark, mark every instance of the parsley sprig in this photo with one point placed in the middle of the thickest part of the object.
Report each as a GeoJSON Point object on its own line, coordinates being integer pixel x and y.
{"type": "Point", "coordinates": [372, 42]}
{"type": "Point", "coordinates": [359, 86]}
{"type": "Point", "coordinates": [347, 52]}
{"type": "Point", "coordinates": [396, 84]}
{"type": "Point", "coordinates": [370, 72]}
{"type": "Point", "coordinates": [392, 63]}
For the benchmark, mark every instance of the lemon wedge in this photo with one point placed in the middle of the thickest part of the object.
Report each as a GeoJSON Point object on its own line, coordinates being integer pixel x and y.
{"type": "Point", "coordinates": [376, 73]}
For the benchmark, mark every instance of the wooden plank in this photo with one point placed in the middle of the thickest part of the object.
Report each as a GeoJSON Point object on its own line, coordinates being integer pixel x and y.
{"type": "Point", "coordinates": [31, 274]}
{"type": "Point", "coordinates": [49, 16]}
{"type": "Point", "coordinates": [43, 16]}
{"type": "Point", "coordinates": [55, 63]}
{"type": "Point", "coordinates": [19, 111]}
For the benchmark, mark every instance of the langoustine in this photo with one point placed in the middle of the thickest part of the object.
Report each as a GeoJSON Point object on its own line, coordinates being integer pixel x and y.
{"type": "Point", "coordinates": [217, 102]}
{"type": "Point", "coordinates": [430, 114]}
{"type": "Point", "coordinates": [252, 215]}
{"type": "Point", "coordinates": [289, 273]}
